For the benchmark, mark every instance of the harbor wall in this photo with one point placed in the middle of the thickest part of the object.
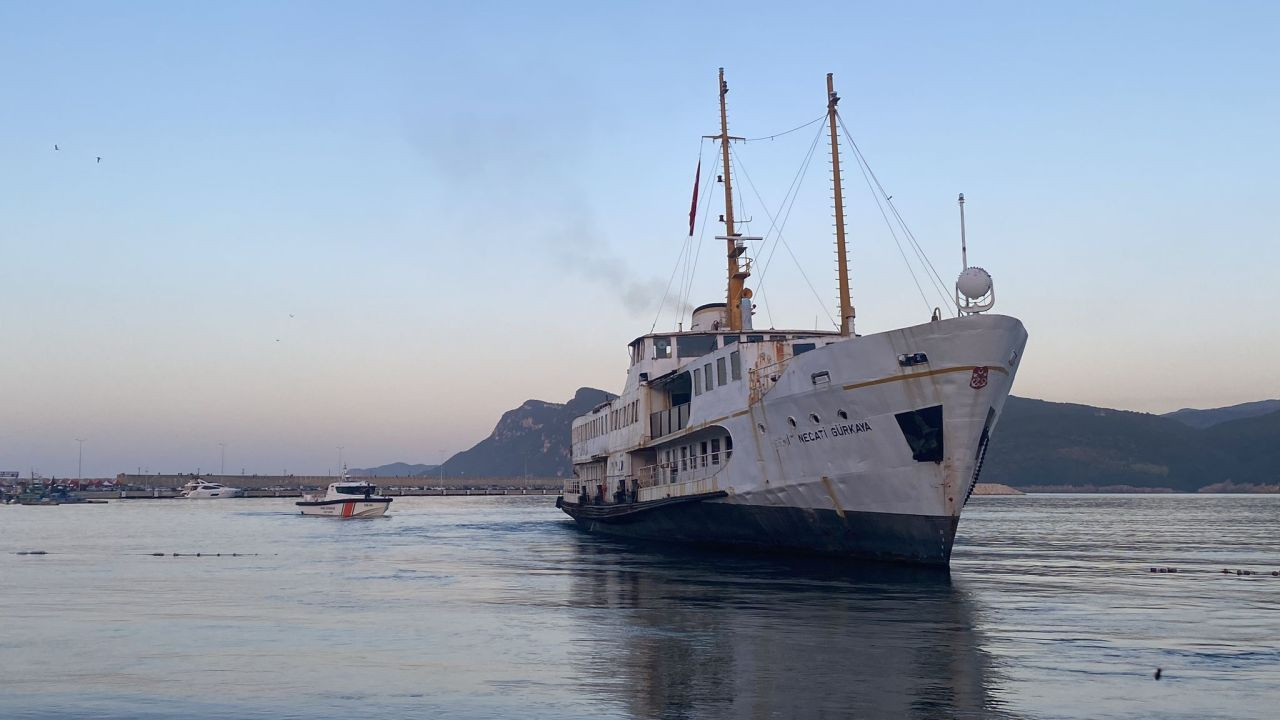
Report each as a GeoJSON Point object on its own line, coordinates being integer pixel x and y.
{"type": "Point", "coordinates": [262, 482]}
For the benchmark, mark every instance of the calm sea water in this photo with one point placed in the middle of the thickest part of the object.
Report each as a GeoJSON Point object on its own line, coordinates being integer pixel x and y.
{"type": "Point", "coordinates": [499, 607]}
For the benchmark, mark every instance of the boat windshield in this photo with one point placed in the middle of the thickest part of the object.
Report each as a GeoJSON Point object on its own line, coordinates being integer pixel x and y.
{"type": "Point", "coordinates": [357, 490]}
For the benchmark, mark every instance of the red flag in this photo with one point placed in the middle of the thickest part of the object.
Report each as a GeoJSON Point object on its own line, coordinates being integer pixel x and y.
{"type": "Point", "coordinates": [693, 206]}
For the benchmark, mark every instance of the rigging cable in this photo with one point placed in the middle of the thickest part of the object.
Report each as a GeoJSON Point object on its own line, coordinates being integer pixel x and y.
{"type": "Point", "coordinates": [820, 118]}
{"type": "Point", "coordinates": [780, 239]}
{"type": "Point", "coordinates": [687, 285]}
{"type": "Point", "coordinates": [932, 272]}
{"type": "Point", "coordinates": [794, 192]}
{"type": "Point", "coordinates": [684, 248]}
{"type": "Point", "coordinates": [892, 233]}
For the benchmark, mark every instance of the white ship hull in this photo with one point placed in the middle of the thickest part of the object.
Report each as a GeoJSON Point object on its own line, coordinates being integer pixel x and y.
{"type": "Point", "coordinates": [834, 450]}
{"type": "Point", "coordinates": [346, 509]}
{"type": "Point", "coordinates": [210, 493]}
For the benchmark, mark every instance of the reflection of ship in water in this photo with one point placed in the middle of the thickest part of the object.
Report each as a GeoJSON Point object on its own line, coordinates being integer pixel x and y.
{"type": "Point", "coordinates": [710, 635]}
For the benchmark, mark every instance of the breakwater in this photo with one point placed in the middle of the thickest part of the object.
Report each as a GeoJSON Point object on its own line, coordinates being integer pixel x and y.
{"type": "Point", "coordinates": [278, 482]}
{"type": "Point", "coordinates": [166, 493]}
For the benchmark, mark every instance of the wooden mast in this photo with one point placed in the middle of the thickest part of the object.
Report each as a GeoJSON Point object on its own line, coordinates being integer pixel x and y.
{"type": "Point", "coordinates": [842, 261]}
{"type": "Point", "coordinates": [737, 274]}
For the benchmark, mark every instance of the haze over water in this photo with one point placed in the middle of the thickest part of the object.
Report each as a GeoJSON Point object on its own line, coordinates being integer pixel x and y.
{"type": "Point", "coordinates": [498, 607]}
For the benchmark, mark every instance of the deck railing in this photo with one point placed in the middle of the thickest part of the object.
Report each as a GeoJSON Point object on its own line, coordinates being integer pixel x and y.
{"type": "Point", "coordinates": [665, 422]}
{"type": "Point", "coordinates": [693, 468]}
{"type": "Point", "coordinates": [762, 379]}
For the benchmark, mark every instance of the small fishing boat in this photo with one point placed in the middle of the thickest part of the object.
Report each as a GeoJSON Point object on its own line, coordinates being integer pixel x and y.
{"type": "Point", "coordinates": [205, 490]}
{"type": "Point", "coordinates": [346, 499]}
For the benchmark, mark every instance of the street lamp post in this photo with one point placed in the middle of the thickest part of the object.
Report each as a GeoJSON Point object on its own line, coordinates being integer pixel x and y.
{"type": "Point", "coordinates": [340, 467]}
{"type": "Point", "coordinates": [80, 459]}
{"type": "Point", "coordinates": [222, 458]}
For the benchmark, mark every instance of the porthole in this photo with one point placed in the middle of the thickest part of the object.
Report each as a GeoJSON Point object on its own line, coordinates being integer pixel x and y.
{"type": "Point", "coordinates": [761, 426]}
{"type": "Point", "coordinates": [791, 420]}
{"type": "Point", "coordinates": [843, 415]}
{"type": "Point", "coordinates": [814, 417]}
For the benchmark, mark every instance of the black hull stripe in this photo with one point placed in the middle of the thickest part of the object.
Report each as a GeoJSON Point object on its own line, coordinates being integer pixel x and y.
{"type": "Point", "coordinates": [918, 539]}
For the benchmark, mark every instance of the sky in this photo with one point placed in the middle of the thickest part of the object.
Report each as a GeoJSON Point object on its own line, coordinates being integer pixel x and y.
{"type": "Point", "coordinates": [377, 226]}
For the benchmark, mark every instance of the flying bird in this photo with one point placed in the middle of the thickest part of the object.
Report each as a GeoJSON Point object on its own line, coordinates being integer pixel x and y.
{"type": "Point", "coordinates": [99, 158]}
{"type": "Point", "coordinates": [55, 147]}
{"type": "Point", "coordinates": [290, 314]}
{"type": "Point", "coordinates": [1158, 673]}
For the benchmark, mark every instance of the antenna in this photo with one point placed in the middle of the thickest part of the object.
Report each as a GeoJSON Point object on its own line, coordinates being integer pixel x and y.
{"type": "Point", "coordinates": [975, 291]}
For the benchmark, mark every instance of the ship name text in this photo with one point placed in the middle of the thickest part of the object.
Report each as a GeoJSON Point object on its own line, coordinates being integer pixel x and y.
{"type": "Point", "coordinates": [834, 431]}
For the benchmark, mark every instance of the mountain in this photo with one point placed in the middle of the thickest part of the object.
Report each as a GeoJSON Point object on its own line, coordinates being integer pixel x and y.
{"type": "Point", "coordinates": [1059, 444]}
{"type": "Point", "coordinates": [395, 469]}
{"type": "Point", "coordinates": [532, 439]}
{"type": "Point", "coordinates": [1214, 416]}
{"type": "Point", "coordinates": [1048, 444]}
{"type": "Point", "coordinates": [1038, 444]}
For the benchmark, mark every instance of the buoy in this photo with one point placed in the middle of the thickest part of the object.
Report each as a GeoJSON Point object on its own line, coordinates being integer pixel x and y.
{"type": "Point", "coordinates": [1159, 672]}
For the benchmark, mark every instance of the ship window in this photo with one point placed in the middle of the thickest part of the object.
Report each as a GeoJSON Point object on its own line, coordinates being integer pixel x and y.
{"type": "Point", "coordinates": [722, 375]}
{"type": "Point", "coordinates": [697, 381]}
{"type": "Point", "coordinates": [814, 417]}
{"type": "Point", "coordinates": [684, 457]}
{"type": "Point", "coordinates": [728, 447]}
{"type": "Point", "coordinates": [661, 348]}
{"type": "Point", "coordinates": [777, 337]}
{"type": "Point", "coordinates": [730, 339]}
{"type": "Point", "coordinates": [791, 420]}
{"type": "Point", "coordinates": [755, 338]}
{"type": "Point", "coordinates": [801, 348]}
{"type": "Point", "coordinates": [761, 427]}
{"type": "Point", "coordinates": [923, 431]}
{"type": "Point", "coordinates": [735, 364]}
{"type": "Point", "coordinates": [715, 451]}
{"type": "Point", "coordinates": [706, 373]}
{"type": "Point", "coordinates": [692, 346]}
{"type": "Point", "coordinates": [703, 454]}
{"type": "Point", "coordinates": [843, 415]}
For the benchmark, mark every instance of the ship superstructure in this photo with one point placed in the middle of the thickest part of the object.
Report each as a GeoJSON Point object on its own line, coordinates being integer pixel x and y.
{"type": "Point", "coordinates": [814, 441]}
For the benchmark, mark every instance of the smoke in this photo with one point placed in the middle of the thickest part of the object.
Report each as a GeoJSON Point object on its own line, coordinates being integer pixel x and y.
{"type": "Point", "coordinates": [580, 247]}
{"type": "Point", "coordinates": [533, 166]}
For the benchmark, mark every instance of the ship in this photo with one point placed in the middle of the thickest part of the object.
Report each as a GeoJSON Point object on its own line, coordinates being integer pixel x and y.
{"type": "Point", "coordinates": [822, 442]}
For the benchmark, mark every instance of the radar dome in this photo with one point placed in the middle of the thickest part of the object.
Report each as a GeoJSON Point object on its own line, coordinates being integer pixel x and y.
{"type": "Point", "coordinates": [974, 283]}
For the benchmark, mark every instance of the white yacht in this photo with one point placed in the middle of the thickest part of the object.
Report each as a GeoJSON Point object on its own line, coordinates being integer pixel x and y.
{"type": "Point", "coordinates": [346, 499]}
{"type": "Point", "coordinates": [204, 490]}
{"type": "Point", "coordinates": [816, 441]}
